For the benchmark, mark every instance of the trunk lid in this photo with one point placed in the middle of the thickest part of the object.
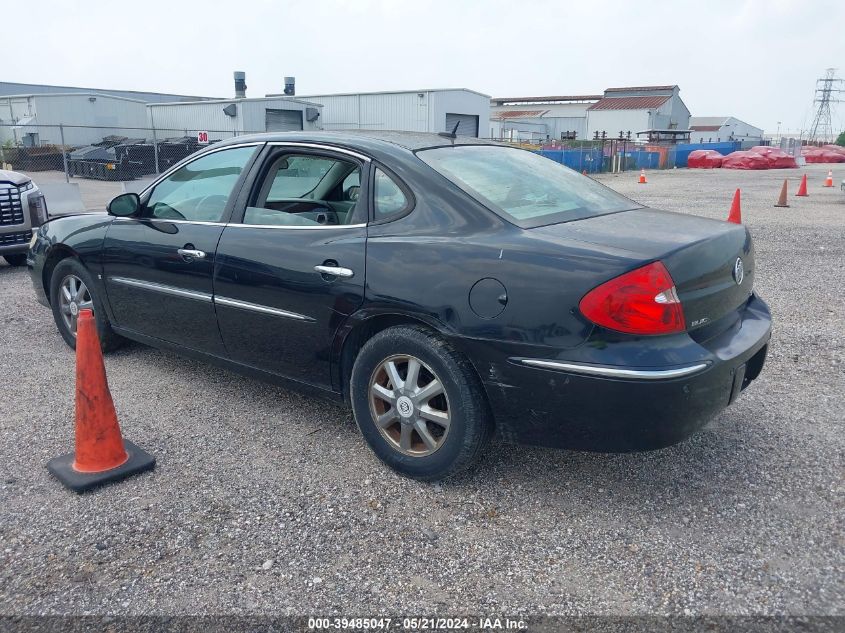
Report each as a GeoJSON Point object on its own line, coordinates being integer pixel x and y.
{"type": "Point", "coordinates": [700, 254]}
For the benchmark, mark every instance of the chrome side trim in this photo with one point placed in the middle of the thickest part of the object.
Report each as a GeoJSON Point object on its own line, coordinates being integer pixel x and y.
{"type": "Point", "coordinates": [168, 290]}
{"type": "Point", "coordinates": [614, 372]}
{"type": "Point", "coordinates": [237, 225]}
{"type": "Point", "coordinates": [166, 221]}
{"type": "Point", "coordinates": [328, 148]}
{"type": "Point", "coordinates": [255, 307]}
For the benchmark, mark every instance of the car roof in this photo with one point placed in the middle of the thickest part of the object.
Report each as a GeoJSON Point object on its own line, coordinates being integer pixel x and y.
{"type": "Point", "coordinates": [373, 140]}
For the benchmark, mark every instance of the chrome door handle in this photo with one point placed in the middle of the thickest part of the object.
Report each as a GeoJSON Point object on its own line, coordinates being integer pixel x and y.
{"type": "Point", "coordinates": [335, 271]}
{"type": "Point", "coordinates": [189, 253]}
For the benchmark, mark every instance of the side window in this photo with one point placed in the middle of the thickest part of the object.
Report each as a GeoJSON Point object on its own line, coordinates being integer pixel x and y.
{"type": "Point", "coordinates": [200, 190]}
{"type": "Point", "coordinates": [306, 190]}
{"type": "Point", "coordinates": [298, 176]}
{"type": "Point", "coordinates": [389, 198]}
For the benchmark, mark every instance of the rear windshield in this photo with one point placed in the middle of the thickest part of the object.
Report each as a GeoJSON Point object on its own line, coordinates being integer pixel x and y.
{"type": "Point", "coordinates": [524, 188]}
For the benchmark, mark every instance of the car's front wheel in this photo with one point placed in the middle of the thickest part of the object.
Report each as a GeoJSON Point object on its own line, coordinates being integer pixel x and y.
{"type": "Point", "coordinates": [72, 290]}
{"type": "Point", "coordinates": [419, 403]}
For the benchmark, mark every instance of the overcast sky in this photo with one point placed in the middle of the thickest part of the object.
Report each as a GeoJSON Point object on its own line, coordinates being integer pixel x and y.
{"type": "Point", "coordinates": [754, 59]}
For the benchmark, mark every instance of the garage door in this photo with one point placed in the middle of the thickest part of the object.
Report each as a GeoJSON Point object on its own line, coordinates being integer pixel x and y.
{"type": "Point", "coordinates": [283, 120]}
{"type": "Point", "coordinates": [468, 126]}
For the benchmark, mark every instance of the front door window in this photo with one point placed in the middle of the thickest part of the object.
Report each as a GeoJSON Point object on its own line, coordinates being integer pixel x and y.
{"type": "Point", "coordinates": [199, 191]}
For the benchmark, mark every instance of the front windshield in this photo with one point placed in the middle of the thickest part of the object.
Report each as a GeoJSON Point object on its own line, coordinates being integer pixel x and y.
{"type": "Point", "coordinates": [523, 187]}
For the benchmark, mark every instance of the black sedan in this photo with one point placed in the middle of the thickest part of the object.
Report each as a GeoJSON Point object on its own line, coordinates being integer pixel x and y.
{"type": "Point", "coordinates": [445, 288]}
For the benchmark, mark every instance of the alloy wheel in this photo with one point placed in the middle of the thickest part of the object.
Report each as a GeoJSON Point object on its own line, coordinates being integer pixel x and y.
{"type": "Point", "coordinates": [73, 297]}
{"type": "Point", "coordinates": [409, 405]}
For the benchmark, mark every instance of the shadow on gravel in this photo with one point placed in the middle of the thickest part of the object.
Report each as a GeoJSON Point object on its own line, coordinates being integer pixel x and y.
{"type": "Point", "coordinates": [726, 455]}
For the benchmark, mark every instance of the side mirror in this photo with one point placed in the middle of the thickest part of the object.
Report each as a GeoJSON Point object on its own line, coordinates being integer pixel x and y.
{"type": "Point", "coordinates": [125, 205]}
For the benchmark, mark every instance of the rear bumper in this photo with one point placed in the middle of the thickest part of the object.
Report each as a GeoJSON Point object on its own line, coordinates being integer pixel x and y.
{"type": "Point", "coordinates": [570, 404]}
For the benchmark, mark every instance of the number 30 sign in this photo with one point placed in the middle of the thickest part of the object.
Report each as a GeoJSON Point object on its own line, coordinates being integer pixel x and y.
{"type": "Point", "coordinates": [202, 137]}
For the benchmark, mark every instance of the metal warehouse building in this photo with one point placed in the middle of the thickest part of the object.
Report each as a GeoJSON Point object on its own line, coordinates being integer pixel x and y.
{"type": "Point", "coordinates": [713, 129]}
{"type": "Point", "coordinates": [638, 109]}
{"type": "Point", "coordinates": [223, 118]}
{"type": "Point", "coordinates": [34, 119]}
{"type": "Point", "coordinates": [407, 110]}
{"type": "Point", "coordinates": [540, 118]}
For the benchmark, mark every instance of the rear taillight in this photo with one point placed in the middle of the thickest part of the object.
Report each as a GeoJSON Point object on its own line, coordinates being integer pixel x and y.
{"type": "Point", "coordinates": [643, 301]}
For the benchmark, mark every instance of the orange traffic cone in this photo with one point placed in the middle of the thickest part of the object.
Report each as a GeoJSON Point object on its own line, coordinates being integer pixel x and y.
{"type": "Point", "coordinates": [642, 179]}
{"type": "Point", "coordinates": [735, 214]}
{"type": "Point", "coordinates": [782, 199]}
{"type": "Point", "coordinates": [828, 182]}
{"type": "Point", "coordinates": [802, 188]}
{"type": "Point", "coordinates": [101, 454]}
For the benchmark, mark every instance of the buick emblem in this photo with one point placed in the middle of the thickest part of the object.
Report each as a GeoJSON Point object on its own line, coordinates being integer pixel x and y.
{"type": "Point", "coordinates": [405, 406]}
{"type": "Point", "coordinates": [739, 271]}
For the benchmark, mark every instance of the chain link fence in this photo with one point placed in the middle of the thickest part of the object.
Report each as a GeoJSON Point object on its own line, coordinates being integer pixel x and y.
{"type": "Point", "coordinates": [99, 153]}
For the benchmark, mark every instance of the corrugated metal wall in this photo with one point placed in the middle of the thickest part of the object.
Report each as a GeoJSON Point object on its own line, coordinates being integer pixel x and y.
{"type": "Point", "coordinates": [86, 118]}
{"type": "Point", "coordinates": [389, 111]}
{"type": "Point", "coordinates": [174, 119]}
{"type": "Point", "coordinates": [423, 111]}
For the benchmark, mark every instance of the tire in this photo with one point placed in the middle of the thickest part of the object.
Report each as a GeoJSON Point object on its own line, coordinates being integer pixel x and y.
{"type": "Point", "coordinates": [15, 259]}
{"type": "Point", "coordinates": [446, 450]}
{"type": "Point", "coordinates": [64, 270]}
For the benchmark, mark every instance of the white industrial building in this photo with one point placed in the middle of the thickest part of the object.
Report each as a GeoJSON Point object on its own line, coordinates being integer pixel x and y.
{"type": "Point", "coordinates": [407, 110]}
{"type": "Point", "coordinates": [14, 88]}
{"type": "Point", "coordinates": [715, 129]}
{"type": "Point", "coordinates": [540, 118]}
{"type": "Point", "coordinates": [224, 118]}
{"type": "Point", "coordinates": [657, 111]}
{"type": "Point", "coordinates": [35, 119]}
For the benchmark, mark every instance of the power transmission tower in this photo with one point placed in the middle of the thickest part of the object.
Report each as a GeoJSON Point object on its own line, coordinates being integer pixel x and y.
{"type": "Point", "coordinates": [827, 92]}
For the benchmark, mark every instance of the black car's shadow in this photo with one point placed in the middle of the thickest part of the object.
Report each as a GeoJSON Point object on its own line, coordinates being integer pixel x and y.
{"type": "Point", "coordinates": [719, 455]}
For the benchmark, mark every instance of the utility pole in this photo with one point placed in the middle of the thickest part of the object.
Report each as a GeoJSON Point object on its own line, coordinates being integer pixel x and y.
{"type": "Point", "coordinates": [827, 92]}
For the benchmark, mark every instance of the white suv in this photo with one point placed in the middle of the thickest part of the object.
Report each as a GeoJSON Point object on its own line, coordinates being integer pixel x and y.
{"type": "Point", "coordinates": [22, 209]}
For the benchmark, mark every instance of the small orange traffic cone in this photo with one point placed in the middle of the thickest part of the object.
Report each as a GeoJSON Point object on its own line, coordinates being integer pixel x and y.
{"type": "Point", "coordinates": [642, 179]}
{"type": "Point", "coordinates": [802, 188]}
{"type": "Point", "coordinates": [782, 199]}
{"type": "Point", "coordinates": [101, 454]}
{"type": "Point", "coordinates": [735, 214]}
{"type": "Point", "coordinates": [828, 182]}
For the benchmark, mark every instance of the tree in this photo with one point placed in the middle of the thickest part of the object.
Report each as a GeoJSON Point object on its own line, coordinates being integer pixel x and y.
{"type": "Point", "coordinates": [841, 139]}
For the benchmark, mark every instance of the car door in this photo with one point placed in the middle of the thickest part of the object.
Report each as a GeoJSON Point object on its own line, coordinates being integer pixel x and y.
{"type": "Point", "coordinates": [158, 266]}
{"type": "Point", "coordinates": [290, 266]}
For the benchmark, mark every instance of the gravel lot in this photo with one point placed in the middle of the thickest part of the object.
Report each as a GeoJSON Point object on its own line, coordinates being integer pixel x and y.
{"type": "Point", "coordinates": [265, 501]}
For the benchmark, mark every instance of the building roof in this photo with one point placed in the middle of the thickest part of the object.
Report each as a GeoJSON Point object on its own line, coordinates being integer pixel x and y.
{"type": "Point", "coordinates": [696, 122]}
{"type": "Point", "coordinates": [669, 132]}
{"type": "Point", "coordinates": [630, 103]}
{"type": "Point", "coordinates": [714, 123]}
{"type": "Point", "coordinates": [234, 100]}
{"type": "Point", "coordinates": [96, 95]}
{"type": "Point", "coordinates": [382, 92]}
{"type": "Point", "coordinates": [551, 99]}
{"type": "Point", "coordinates": [518, 114]}
{"type": "Point", "coordinates": [13, 88]}
{"type": "Point", "coordinates": [640, 89]}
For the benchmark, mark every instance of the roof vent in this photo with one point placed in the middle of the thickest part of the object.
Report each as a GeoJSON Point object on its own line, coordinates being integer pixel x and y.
{"type": "Point", "coordinates": [290, 86]}
{"type": "Point", "coordinates": [240, 84]}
